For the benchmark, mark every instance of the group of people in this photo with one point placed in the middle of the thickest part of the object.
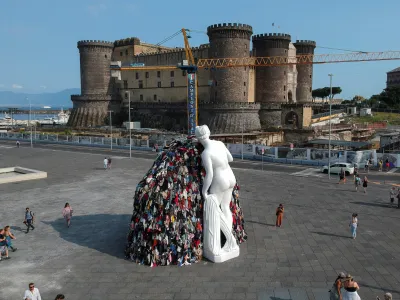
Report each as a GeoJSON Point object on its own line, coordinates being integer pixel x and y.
{"type": "Point", "coordinates": [6, 238]}
{"type": "Point", "coordinates": [357, 179]}
{"type": "Point", "coordinates": [345, 288]}
{"type": "Point", "coordinates": [33, 293]}
{"type": "Point", "coordinates": [107, 163]}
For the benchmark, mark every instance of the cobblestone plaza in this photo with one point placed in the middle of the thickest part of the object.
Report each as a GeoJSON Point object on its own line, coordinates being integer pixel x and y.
{"type": "Point", "coordinates": [300, 260]}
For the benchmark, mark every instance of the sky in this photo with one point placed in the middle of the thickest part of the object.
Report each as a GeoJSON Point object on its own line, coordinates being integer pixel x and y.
{"type": "Point", "coordinates": [38, 38]}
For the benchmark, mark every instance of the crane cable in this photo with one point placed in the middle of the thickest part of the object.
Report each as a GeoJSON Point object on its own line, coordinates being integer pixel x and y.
{"type": "Point", "coordinates": [162, 42]}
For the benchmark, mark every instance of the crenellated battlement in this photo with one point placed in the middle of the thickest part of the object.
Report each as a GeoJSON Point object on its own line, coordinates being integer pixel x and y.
{"type": "Point", "coordinates": [305, 43]}
{"type": "Point", "coordinates": [230, 30]}
{"type": "Point", "coordinates": [271, 36]}
{"type": "Point", "coordinates": [127, 42]}
{"type": "Point", "coordinates": [95, 43]}
{"type": "Point", "coordinates": [245, 106]}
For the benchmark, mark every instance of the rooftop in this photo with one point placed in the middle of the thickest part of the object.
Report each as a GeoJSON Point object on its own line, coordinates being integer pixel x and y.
{"type": "Point", "coordinates": [395, 70]}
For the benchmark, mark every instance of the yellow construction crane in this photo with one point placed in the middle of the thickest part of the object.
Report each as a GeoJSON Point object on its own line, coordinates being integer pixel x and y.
{"type": "Point", "coordinates": [191, 67]}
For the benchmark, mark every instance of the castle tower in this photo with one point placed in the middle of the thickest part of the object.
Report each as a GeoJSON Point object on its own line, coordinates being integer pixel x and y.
{"type": "Point", "coordinates": [230, 109]}
{"type": "Point", "coordinates": [271, 82]}
{"type": "Point", "coordinates": [90, 108]}
{"type": "Point", "coordinates": [304, 72]}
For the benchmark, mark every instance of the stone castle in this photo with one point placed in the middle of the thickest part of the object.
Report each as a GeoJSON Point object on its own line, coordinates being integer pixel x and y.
{"type": "Point", "coordinates": [230, 99]}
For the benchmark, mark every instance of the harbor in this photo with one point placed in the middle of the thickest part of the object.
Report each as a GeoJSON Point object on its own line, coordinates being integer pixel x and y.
{"type": "Point", "coordinates": [37, 117]}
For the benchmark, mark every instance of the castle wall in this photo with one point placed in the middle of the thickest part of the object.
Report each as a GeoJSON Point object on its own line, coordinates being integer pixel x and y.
{"type": "Point", "coordinates": [230, 40]}
{"type": "Point", "coordinates": [305, 72]}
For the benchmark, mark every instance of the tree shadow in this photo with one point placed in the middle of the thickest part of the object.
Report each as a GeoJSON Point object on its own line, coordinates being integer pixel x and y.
{"type": "Point", "coordinates": [372, 204]}
{"type": "Point", "coordinates": [105, 233]}
{"type": "Point", "coordinates": [380, 288]}
{"type": "Point", "coordinates": [276, 298]}
{"type": "Point", "coordinates": [331, 234]}
{"type": "Point", "coordinates": [260, 223]}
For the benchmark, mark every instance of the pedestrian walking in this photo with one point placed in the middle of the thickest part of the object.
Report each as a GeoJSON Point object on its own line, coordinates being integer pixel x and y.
{"type": "Point", "coordinates": [3, 246]}
{"type": "Point", "coordinates": [109, 162]}
{"type": "Point", "coordinates": [365, 184]}
{"type": "Point", "coordinates": [105, 163]}
{"type": "Point", "coordinates": [32, 293]}
{"type": "Point", "coordinates": [342, 176]}
{"type": "Point", "coordinates": [29, 219]}
{"type": "Point", "coordinates": [279, 215]}
{"type": "Point", "coordinates": [350, 289]}
{"type": "Point", "coordinates": [393, 194]}
{"type": "Point", "coordinates": [67, 213]}
{"type": "Point", "coordinates": [380, 163]}
{"type": "Point", "coordinates": [357, 182]}
{"type": "Point", "coordinates": [17, 143]}
{"type": "Point", "coordinates": [353, 225]}
{"type": "Point", "coordinates": [335, 293]}
{"type": "Point", "coordinates": [387, 164]}
{"type": "Point", "coordinates": [366, 166]}
{"type": "Point", "coordinates": [60, 297]}
{"type": "Point", "coordinates": [9, 237]}
{"type": "Point", "coordinates": [387, 296]}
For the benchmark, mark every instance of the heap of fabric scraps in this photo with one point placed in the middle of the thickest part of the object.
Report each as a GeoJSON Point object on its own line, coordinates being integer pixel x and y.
{"type": "Point", "coordinates": [167, 223]}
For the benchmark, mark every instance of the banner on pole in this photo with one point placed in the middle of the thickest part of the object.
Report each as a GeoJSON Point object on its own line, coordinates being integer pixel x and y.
{"type": "Point", "coordinates": [192, 103]}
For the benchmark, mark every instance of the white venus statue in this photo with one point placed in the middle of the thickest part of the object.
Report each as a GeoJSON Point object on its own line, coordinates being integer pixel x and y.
{"type": "Point", "coordinates": [219, 181]}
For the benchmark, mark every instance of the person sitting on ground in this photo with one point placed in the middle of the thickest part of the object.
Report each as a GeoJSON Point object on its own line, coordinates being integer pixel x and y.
{"type": "Point", "coordinates": [387, 296]}
{"type": "Point", "coordinates": [9, 237]}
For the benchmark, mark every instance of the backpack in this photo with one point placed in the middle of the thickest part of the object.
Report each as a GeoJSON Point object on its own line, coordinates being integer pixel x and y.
{"type": "Point", "coordinates": [32, 215]}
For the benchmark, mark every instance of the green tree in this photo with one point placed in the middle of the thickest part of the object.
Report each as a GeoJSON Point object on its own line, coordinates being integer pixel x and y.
{"type": "Point", "coordinates": [391, 96]}
{"type": "Point", "coordinates": [325, 92]}
{"type": "Point", "coordinates": [358, 98]}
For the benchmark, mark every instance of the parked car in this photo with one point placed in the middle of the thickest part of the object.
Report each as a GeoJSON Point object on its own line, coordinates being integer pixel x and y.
{"type": "Point", "coordinates": [336, 167]}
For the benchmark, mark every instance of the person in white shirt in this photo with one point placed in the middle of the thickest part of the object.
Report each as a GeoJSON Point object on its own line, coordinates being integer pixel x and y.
{"type": "Point", "coordinates": [105, 162]}
{"type": "Point", "coordinates": [32, 293]}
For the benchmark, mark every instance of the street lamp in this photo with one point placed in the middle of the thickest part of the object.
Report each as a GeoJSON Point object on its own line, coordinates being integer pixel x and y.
{"type": "Point", "coordinates": [130, 129]}
{"type": "Point", "coordinates": [330, 127]}
{"type": "Point", "coordinates": [110, 111]}
{"type": "Point", "coordinates": [242, 107]}
{"type": "Point", "coordinates": [30, 113]}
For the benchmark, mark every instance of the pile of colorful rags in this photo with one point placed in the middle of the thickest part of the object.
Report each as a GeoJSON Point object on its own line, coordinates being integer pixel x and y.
{"type": "Point", "coordinates": [167, 223]}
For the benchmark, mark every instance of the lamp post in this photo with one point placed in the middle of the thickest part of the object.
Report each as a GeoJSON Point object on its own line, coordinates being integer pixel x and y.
{"type": "Point", "coordinates": [330, 127]}
{"type": "Point", "coordinates": [30, 114]}
{"type": "Point", "coordinates": [110, 111]}
{"type": "Point", "coordinates": [242, 107]}
{"type": "Point", "coordinates": [130, 129]}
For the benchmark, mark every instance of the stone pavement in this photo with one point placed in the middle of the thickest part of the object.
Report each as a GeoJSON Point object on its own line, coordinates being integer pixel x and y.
{"type": "Point", "coordinates": [298, 261]}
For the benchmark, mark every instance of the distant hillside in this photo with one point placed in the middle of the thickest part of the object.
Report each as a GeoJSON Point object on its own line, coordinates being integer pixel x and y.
{"type": "Point", "coordinates": [63, 98]}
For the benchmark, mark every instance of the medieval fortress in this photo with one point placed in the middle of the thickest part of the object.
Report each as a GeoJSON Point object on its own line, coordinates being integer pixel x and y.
{"type": "Point", "coordinates": [229, 98]}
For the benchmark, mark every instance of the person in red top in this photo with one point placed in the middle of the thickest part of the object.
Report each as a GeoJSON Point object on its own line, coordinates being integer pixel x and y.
{"type": "Point", "coordinates": [279, 215]}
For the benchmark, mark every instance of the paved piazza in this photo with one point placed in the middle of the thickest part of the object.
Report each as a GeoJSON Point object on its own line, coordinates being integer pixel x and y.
{"type": "Point", "coordinates": [298, 261]}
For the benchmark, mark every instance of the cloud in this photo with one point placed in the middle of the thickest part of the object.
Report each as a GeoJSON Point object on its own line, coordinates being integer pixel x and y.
{"type": "Point", "coordinates": [43, 87]}
{"type": "Point", "coordinates": [2, 85]}
{"type": "Point", "coordinates": [16, 86]}
{"type": "Point", "coordinates": [96, 9]}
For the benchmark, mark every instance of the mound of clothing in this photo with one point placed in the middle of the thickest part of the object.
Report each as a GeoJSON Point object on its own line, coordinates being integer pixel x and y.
{"type": "Point", "coordinates": [167, 222]}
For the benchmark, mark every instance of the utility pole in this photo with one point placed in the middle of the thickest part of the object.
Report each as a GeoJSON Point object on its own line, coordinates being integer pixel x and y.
{"type": "Point", "coordinates": [130, 130]}
{"type": "Point", "coordinates": [110, 111]}
{"type": "Point", "coordinates": [330, 127]}
{"type": "Point", "coordinates": [242, 130]}
{"type": "Point", "coordinates": [30, 116]}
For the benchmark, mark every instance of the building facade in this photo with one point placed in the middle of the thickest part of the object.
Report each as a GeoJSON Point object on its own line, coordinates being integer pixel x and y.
{"type": "Point", "coordinates": [393, 78]}
{"type": "Point", "coordinates": [230, 100]}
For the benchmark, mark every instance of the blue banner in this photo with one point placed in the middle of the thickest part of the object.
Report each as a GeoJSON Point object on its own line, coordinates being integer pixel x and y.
{"type": "Point", "coordinates": [192, 103]}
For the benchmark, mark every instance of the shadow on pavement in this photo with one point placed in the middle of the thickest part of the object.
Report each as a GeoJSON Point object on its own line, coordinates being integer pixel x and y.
{"type": "Point", "coordinates": [105, 233]}
{"type": "Point", "coordinates": [371, 204]}
{"type": "Point", "coordinates": [18, 228]}
{"type": "Point", "coordinates": [331, 234]}
{"type": "Point", "coordinates": [385, 290]}
{"type": "Point", "coordinates": [260, 223]}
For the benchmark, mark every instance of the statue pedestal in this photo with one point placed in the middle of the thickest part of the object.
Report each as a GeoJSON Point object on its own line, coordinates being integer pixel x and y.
{"type": "Point", "coordinates": [224, 256]}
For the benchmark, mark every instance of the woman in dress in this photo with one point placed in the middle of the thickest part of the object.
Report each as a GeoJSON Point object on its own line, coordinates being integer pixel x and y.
{"type": "Point", "coordinates": [279, 215]}
{"type": "Point", "coordinates": [365, 183]}
{"type": "Point", "coordinates": [335, 291]}
{"type": "Point", "coordinates": [353, 225]}
{"type": "Point", "coordinates": [9, 237]}
{"type": "Point", "coordinates": [350, 289]}
{"type": "Point", "coordinates": [67, 213]}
